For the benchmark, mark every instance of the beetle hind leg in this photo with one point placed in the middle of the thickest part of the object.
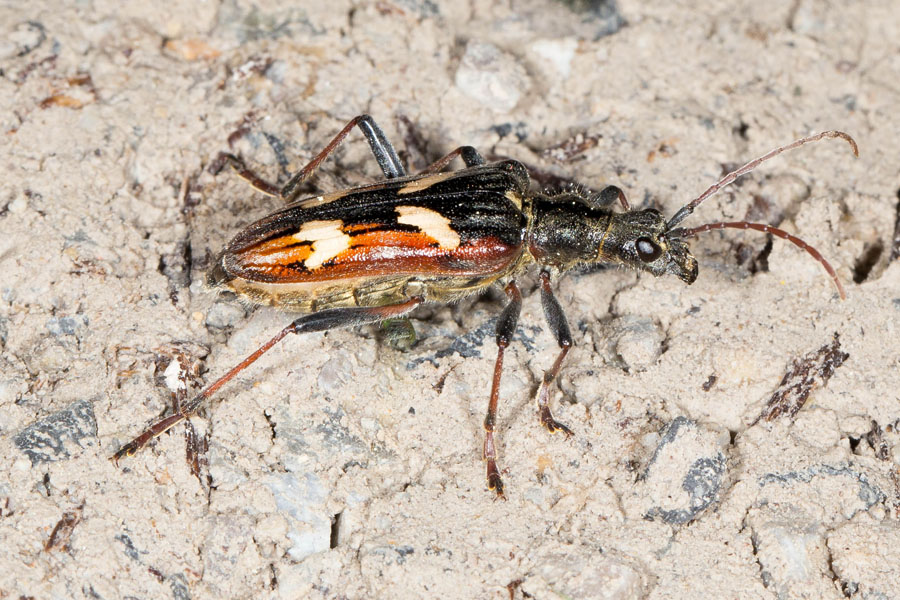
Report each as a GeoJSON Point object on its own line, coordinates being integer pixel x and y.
{"type": "Point", "coordinates": [320, 321]}
{"type": "Point", "coordinates": [381, 148]}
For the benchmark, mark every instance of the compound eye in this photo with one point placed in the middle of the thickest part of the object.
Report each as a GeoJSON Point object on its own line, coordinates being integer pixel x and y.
{"type": "Point", "coordinates": [647, 249]}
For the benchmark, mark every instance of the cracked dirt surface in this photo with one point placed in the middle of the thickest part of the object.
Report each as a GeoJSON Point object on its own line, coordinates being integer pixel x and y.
{"type": "Point", "coordinates": [339, 467]}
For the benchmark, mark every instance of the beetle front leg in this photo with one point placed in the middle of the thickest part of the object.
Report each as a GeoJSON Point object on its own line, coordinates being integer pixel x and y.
{"type": "Point", "coordinates": [506, 327]}
{"type": "Point", "coordinates": [556, 319]}
{"type": "Point", "coordinates": [607, 196]}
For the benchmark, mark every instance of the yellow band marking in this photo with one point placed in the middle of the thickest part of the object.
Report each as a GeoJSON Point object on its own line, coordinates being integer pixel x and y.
{"type": "Point", "coordinates": [328, 241]}
{"type": "Point", "coordinates": [319, 200]}
{"type": "Point", "coordinates": [431, 223]}
{"type": "Point", "coordinates": [423, 183]}
{"type": "Point", "coordinates": [600, 253]}
{"type": "Point", "coordinates": [515, 198]}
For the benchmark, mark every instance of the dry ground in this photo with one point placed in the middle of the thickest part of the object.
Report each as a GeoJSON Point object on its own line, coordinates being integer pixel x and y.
{"type": "Point", "coordinates": [338, 467]}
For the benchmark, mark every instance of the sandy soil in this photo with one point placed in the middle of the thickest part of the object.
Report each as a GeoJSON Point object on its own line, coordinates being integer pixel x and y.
{"type": "Point", "coordinates": [338, 467]}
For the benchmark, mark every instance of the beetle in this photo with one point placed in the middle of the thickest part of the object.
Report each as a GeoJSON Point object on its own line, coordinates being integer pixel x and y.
{"type": "Point", "coordinates": [376, 252]}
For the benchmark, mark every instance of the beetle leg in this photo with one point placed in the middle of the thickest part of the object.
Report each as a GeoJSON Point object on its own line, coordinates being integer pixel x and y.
{"type": "Point", "coordinates": [382, 149]}
{"type": "Point", "coordinates": [607, 196]}
{"type": "Point", "coordinates": [321, 321]}
{"type": "Point", "coordinates": [245, 173]}
{"type": "Point", "coordinates": [399, 333]}
{"type": "Point", "coordinates": [470, 156]}
{"type": "Point", "coordinates": [556, 319]}
{"type": "Point", "coordinates": [506, 327]}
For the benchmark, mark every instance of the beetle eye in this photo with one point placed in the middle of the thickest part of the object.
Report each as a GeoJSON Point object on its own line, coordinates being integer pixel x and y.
{"type": "Point", "coordinates": [647, 249]}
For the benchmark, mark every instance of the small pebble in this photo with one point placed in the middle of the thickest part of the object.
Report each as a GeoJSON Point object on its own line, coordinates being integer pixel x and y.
{"type": "Point", "coordinates": [491, 76]}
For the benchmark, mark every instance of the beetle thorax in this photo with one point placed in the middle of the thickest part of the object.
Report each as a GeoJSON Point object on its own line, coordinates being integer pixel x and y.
{"type": "Point", "coordinates": [565, 232]}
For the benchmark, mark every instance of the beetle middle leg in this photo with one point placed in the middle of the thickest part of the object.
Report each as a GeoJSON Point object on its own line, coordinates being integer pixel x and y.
{"type": "Point", "coordinates": [471, 157]}
{"type": "Point", "coordinates": [320, 321]}
{"type": "Point", "coordinates": [556, 319]}
{"type": "Point", "coordinates": [506, 327]}
{"type": "Point", "coordinates": [399, 333]}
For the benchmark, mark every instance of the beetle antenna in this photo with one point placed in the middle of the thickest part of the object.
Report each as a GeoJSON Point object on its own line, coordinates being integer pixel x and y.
{"type": "Point", "coordinates": [693, 231]}
{"type": "Point", "coordinates": [685, 211]}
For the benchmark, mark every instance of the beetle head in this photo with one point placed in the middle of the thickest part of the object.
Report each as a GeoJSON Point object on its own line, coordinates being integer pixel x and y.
{"type": "Point", "coordinates": [641, 239]}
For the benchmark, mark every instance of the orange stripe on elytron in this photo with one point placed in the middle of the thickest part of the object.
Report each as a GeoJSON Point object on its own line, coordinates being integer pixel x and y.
{"type": "Point", "coordinates": [272, 256]}
{"type": "Point", "coordinates": [287, 250]}
{"type": "Point", "coordinates": [392, 238]}
{"type": "Point", "coordinates": [487, 255]}
{"type": "Point", "coordinates": [361, 227]}
{"type": "Point", "coordinates": [399, 253]}
{"type": "Point", "coordinates": [280, 251]}
{"type": "Point", "coordinates": [268, 273]}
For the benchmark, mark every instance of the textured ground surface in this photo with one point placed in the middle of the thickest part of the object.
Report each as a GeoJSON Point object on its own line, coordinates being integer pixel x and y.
{"type": "Point", "coordinates": [338, 467]}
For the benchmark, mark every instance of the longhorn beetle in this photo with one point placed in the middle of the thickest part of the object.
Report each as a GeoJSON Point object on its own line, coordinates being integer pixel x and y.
{"type": "Point", "coordinates": [378, 251]}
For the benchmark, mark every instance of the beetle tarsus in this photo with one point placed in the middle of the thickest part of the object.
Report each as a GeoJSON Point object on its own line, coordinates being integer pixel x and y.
{"type": "Point", "coordinates": [552, 425]}
{"type": "Point", "coordinates": [495, 483]}
{"type": "Point", "coordinates": [399, 333]}
{"type": "Point", "coordinates": [245, 173]}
